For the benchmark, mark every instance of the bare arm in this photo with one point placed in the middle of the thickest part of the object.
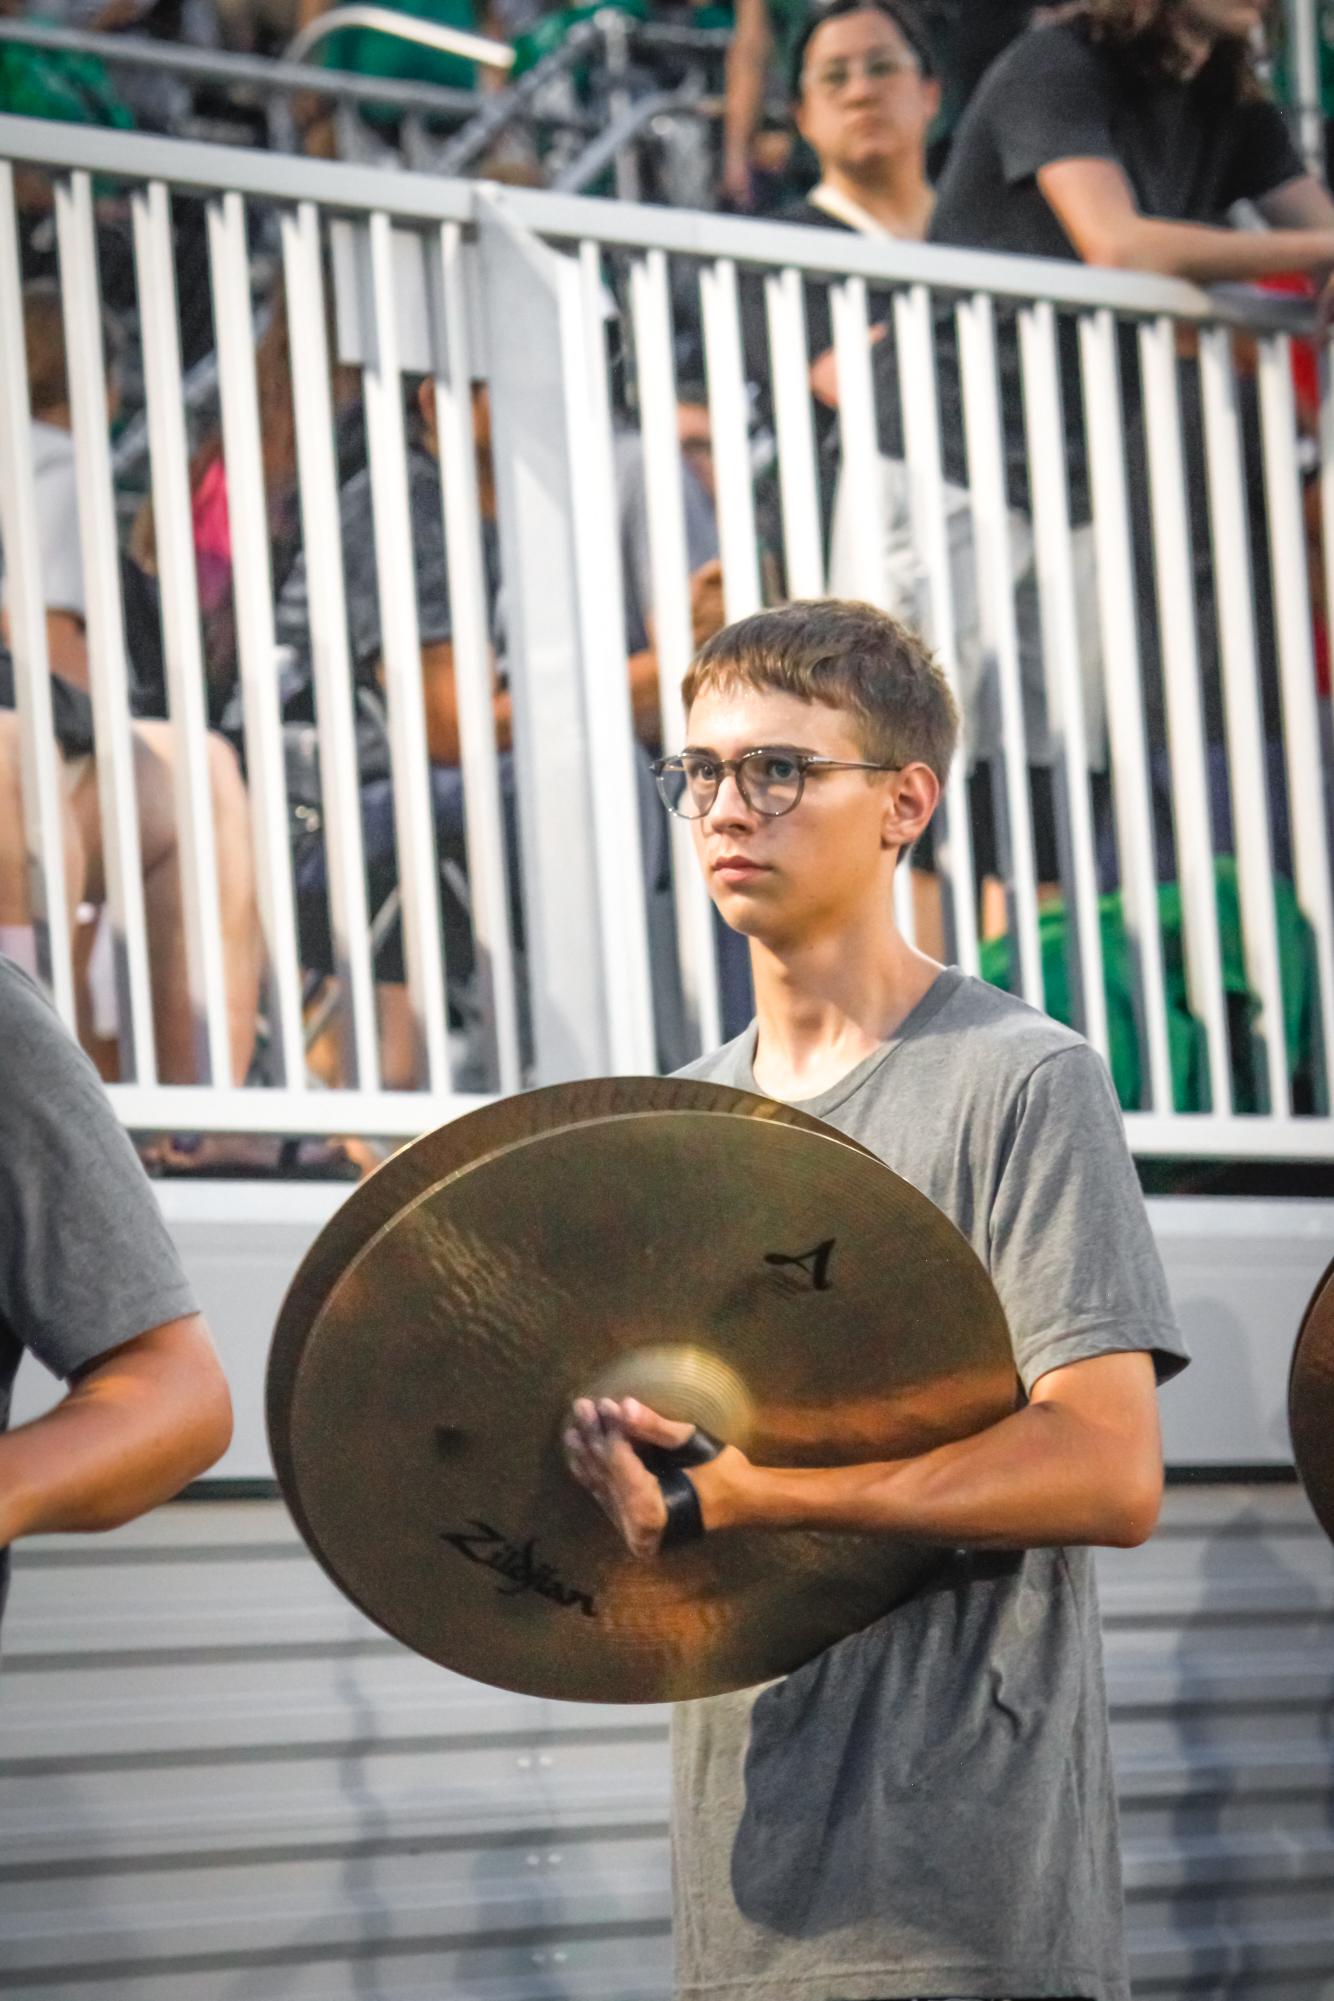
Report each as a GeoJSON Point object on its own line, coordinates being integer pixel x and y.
{"type": "Point", "coordinates": [137, 1425]}
{"type": "Point", "coordinates": [1305, 203]}
{"type": "Point", "coordinates": [441, 695]}
{"type": "Point", "coordinates": [1095, 205]}
{"type": "Point", "coordinates": [747, 66]}
{"type": "Point", "coordinates": [1080, 1463]}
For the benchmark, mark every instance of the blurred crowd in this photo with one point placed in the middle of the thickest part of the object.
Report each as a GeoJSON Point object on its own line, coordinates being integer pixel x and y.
{"type": "Point", "coordinates": [1132, 134]}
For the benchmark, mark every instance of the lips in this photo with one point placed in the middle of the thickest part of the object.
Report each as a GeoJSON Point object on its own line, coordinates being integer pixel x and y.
{"type": "Point", "coordinates": [737, 868]}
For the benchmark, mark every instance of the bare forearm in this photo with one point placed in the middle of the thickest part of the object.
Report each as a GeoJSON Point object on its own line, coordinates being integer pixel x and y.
{"type": "Point", "coordinates": [1209, 256]}
{"type": "Point", "coordinates": [1045, 1476]}
{"type": "Point", "coordinates": [124, 1440]}
{"type": "Point", "coordinates": [747, 66]}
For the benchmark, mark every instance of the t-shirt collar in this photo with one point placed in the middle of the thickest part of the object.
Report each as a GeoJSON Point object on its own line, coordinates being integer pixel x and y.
{"type": "Point", "coordinates": [942, 989]}
{"type": "Point", "coordinates": [833, 202]}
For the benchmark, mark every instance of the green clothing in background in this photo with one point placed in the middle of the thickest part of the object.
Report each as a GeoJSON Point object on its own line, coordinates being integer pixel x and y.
{"type": "Point", "coordinates": [1187, 1042]}
{"type": "Point", "coordinates": [46, 83]}
{"type": "Point", "coordinates": [369, 53]}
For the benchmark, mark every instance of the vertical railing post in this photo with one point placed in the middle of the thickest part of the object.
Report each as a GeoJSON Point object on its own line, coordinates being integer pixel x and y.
{"type": "Point", "coordinates": [530, 297]}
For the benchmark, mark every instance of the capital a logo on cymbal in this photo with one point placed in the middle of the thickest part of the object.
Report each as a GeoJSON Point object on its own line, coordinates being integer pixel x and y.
{"type": "Point", "coordinates": [814, 1263]}
{"type": "Point", "coordinates": [519, 1564]}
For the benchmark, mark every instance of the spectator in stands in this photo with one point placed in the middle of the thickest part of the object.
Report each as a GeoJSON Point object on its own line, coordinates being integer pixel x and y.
{"type": "Point", "coordinates": [91, 1285]}
{"type": "Point", "coordinates": [155, 752]}
{"type": "Point", "coordinates": [757, 65]}
{"type": "Point", "coordinates": [1123, 132]}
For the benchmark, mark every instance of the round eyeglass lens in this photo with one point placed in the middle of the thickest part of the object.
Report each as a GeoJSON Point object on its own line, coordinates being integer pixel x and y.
{"type": "Point", "coordinates": [771, 780]}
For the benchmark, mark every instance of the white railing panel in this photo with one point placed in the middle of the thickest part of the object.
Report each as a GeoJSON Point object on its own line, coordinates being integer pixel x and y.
{"type": "Point", "coordinates": [860, 509]}
{"type": "Point", "coordinates": [673, 624]}
{"type": "Point", "coordinates": [1177, 628]}
{"type": "Point", "coordinates": [919, 402]}
{"type": "Point", "coordinates": [731, 438]}
{"type": "Point", "coordinates": [331, 668]}
{"type": "Point", "coordinates": [1123, 680]}
{"type": "Point", "coordinates": [474, 667]}
{"type": "Point", "coordinates": [1062, 659]}
{"type": "Point", "coordinates": [1308, 801]}
{"type": "Point", "coordinates": [414, 822]}
{"type": "Point", "coordinates": [1000, 631]}
{"type": "Point", "coordinates": [156, 274]}
{"type": "Point", "coordinates": [1239, 655]}
{"type": "Point", "coordinates": [252, 585]}
{"type": "Point", "coordinates": [25, 607]}
{"type": "Point", "coordinates": [570, 688]}
{"type": "Point", "coordinates": [799, 489]}
{"type": "Point", "coordinates": [108, 671]}
{"type": "Point", "coordinates": [613, 803]}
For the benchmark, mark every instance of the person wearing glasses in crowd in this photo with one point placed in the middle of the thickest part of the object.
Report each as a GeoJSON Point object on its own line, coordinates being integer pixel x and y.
{"type": "Point", "coordinates": [927, 1807]}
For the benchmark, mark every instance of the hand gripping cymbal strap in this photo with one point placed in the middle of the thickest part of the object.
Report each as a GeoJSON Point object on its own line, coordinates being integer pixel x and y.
{"type": "Point", "coordinates": [685, 1521]}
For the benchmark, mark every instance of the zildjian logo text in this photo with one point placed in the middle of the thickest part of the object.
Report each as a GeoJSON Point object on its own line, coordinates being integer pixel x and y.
{"type": "Point", "coordinates": [519, 1564]}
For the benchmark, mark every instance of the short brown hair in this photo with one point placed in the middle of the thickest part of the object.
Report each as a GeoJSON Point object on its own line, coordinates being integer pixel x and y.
{"type": "Point", "coordinates": [848, 656]}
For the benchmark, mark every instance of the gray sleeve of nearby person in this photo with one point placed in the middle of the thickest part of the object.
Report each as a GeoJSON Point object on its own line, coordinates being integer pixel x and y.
{"type": "Point", "coordinates": [57, 496]}
{"type": "Point", "coordinates": [1072, 1254]}
{"type": "Point", "coordinates": [1049, 102]}
{"type": "Point", "coordinates": [85, 1259]}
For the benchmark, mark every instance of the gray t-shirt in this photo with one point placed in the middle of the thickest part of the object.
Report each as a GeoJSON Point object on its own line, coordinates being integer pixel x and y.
{"type": "Point", "coordinates": [928, 1807]}
{"type": "Point", "coordinates": [85, 1259]}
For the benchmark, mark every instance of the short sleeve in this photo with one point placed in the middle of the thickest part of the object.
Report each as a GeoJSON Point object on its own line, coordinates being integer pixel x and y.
{"type": "Point", "coordinates": [1049, 100]}
{"type": "Point", "coordinates": [1071, 1250]}
{"type": "Point", "coordinates": [58, 536]}
{"type": "Point", "coordinates": [1262, 155]}
{"type": "Point", "coordinates": [86, 1262]}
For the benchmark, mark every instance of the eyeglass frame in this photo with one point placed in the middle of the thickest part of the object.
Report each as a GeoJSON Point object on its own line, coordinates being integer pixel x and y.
{"type": "Point", "coordinates": [820, 79]}
{"type": "Point", "coordinates": [804, 760]}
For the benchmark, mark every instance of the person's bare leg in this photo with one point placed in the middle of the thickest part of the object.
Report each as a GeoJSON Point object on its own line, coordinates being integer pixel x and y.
{"type": "Point", "coordinates": [15, 903]}
{"type": "Point", "coordinates": [174, 1026]}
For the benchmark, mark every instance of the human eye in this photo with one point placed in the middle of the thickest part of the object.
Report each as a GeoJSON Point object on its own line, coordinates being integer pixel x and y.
{"type": "Point", "coordinates": [778, 766]}
{"type": "Point", "coordinates": [834, 77]}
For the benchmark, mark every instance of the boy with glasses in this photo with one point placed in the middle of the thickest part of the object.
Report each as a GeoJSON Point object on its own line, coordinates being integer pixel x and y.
{"type": "Point", "coordinates": [926, 1808]}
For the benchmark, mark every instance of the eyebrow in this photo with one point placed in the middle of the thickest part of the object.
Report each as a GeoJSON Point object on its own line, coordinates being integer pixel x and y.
{"type": "Point", "coordinates": [706, 750]}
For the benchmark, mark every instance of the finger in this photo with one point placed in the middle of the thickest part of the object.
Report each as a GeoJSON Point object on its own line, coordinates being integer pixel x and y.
{"type": "Point", "coordinates": [647, 1427]}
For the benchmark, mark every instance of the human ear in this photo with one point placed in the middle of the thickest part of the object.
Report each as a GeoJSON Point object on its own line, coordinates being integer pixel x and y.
{"type": "Point", "coordinates": [909, 805]}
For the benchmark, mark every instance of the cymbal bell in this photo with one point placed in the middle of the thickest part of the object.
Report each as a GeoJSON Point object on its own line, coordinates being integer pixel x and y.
{"type": "Point", "coordinates": [1311, 1402]}
{"type": "Point", "coordinates": [730, 1262]}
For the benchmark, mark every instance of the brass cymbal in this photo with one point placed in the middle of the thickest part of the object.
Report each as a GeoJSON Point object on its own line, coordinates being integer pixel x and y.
{"type": "Point", "coordinates": [1311, 1402]}
{"type": "Point", "coordinates": [728, 1260]}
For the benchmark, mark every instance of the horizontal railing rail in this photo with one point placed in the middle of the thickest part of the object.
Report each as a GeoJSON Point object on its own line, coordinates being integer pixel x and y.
{"type": "Point", "coordinates": [480, 49]}
{"type": "Point", "coordinates": [1105, 497]}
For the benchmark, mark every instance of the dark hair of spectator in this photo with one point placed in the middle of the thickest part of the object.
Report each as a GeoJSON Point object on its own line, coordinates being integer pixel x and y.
{"type": "Point", "coordinates": [898, 12]}
{"type": "Point", "coordinates": [1145, 33]}
{"type": "Point", "coordinates": [847, 656]}
{"type": "Point", "coordinates": [44, 348]}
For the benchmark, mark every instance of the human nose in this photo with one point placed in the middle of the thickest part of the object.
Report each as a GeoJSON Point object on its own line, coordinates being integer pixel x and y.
{"type": "Point", "coordinates": [730, 803]}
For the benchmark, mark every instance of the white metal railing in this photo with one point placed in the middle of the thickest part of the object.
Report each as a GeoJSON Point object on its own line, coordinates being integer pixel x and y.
{"type": "Point", "coordinates": [459, 283]}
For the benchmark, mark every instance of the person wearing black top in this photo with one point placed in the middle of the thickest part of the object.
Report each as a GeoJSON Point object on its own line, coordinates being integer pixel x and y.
{"type": "Point", "coordinates": [1124, 134]}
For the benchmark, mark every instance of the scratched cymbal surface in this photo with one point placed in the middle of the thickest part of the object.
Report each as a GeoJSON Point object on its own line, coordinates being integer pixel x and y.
{"type": "Point", "coordinates": [728, 1262]}
{"type": "Point", "coordinates": [1311, 1402]}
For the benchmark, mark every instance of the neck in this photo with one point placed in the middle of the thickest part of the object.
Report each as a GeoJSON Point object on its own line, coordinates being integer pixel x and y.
{"type": "Point", "coordinates": [825, 1003]}
{"type": "Point", "coordinates": [896, 192]}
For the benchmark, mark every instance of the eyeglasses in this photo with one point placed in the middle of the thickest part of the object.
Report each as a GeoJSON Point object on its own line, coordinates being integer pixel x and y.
{"type": "Point", "coordinates": [770, 778]}
{"type": "Point", "coordinates": [835, 76]}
